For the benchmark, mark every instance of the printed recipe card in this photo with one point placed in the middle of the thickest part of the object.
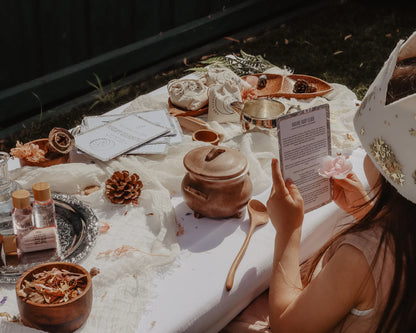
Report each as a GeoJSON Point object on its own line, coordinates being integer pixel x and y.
{"type": "Point", "coordinates": [304, 139]}
{"type": "Point", "coordinates": [117, 137]}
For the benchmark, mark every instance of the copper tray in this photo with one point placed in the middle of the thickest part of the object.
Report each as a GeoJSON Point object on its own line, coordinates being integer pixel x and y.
{"type": "Point", "coordinates": [282, 86]}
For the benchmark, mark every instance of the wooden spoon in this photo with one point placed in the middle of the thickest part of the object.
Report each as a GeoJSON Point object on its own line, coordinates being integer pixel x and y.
{"type": "Point", "coordinates": [257, 212]}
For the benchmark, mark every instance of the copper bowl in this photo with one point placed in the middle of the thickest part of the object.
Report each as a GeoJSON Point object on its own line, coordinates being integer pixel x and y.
{"type": "Point", "coordinates": [51, 158]}
{"type": "Point", "coordinates": [61, 317]}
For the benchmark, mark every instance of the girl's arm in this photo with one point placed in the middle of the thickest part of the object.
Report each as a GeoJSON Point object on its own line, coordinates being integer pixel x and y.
{"type": "Point", "coordinates": [330, 295]}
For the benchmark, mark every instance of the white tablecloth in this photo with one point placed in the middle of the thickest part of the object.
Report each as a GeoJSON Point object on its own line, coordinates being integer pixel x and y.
{"type": "Point", "coordinates": [192, 297]}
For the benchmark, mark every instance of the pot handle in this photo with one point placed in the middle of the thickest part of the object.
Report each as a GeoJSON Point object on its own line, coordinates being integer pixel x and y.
{"type": "Point", "coordinates": [214, 153]}
{"type": "Point", "coordinates": [196, 193]}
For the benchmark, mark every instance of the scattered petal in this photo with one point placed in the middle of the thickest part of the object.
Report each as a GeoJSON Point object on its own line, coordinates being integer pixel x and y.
{"type": "Point", "coordinates": [338, 52]}
{"type": "Point", "coordinates": [104, 227]}
{"type": "Point", "coordinates": [180, 231]}
{"type": "Point", "coordinates": [347, 37]}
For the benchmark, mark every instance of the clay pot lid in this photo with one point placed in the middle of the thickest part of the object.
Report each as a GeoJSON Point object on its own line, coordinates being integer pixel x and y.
{"type": "Point", "coordinates": [216, 163]}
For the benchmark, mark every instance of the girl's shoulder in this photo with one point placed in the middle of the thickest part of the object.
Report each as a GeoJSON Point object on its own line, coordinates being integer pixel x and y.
{"type": "Point", "coordinates": [376, 250]}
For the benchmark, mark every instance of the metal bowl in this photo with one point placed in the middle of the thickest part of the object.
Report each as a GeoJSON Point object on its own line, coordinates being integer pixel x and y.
{"type": "Point", "coordinates": [261, 112]}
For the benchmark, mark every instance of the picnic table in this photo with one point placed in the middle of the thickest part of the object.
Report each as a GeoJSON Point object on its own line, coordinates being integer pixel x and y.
{"type": "Point", "coordinates": [185, 292]}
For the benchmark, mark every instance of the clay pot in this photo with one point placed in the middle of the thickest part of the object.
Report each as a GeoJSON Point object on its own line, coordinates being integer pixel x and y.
{"type": "Point", "coordinates": [61, 317]}
{"type": "Point", "coordinates": [51, 158]}
{"type": "Point", "coordinates": [217, 183]}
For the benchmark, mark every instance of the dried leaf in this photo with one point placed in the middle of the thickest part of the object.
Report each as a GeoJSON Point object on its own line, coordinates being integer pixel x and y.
{"type": "Point", "coordinates": [388, 35]}
{"type": "Point", "coordinates": [232, 39]}
{"type": "Point", "coordinates": [286, 41]}
{"type": "Point", "coordinates": [249, 39]}
{"type": "Point", "coordinates": [207, 56]}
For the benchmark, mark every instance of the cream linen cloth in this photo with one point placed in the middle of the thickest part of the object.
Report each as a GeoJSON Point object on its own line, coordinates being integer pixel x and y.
{"type": "Point", "coordinates": [124, 286]}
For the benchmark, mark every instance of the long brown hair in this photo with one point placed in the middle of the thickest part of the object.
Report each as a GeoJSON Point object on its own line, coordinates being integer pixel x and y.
{"type": "Point", "coordinates": [397, 218]}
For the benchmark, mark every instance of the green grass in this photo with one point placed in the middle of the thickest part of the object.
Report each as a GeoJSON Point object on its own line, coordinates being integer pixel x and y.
{"type": "Point", "coordinates": [344, 43]}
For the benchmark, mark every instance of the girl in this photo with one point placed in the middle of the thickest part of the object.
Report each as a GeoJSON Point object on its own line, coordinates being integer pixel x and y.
{"type": "Point", "coordinates": [362, 280]}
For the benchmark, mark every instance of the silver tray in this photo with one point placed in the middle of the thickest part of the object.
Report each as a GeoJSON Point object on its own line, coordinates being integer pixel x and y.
{"type": "Point", "coordinates": [77, 231]}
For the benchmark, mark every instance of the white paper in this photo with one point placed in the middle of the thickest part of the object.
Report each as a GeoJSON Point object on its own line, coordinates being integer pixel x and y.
{"type": "Point", "coordinates": [304, 139]}
{"type": "Point", "coordinates": [150, 149]}
{"type": "Point", "coordinates": [159, 117]}
{"type": "Point", "coordinates": [117, 137]}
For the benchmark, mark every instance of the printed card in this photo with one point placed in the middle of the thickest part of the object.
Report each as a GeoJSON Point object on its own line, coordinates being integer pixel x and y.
{"type": "Point", "coordinates": [304, 139]}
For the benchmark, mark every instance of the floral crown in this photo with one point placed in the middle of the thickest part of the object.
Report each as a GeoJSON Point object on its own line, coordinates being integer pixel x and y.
{"type": "Point", "coordinates": [388, 132]}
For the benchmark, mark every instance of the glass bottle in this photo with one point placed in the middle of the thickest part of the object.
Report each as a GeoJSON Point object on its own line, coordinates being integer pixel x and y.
{"type": "Point", "coordinates": [7, 187]}
{"type": "Point", "coordinates": [21, 213]}
{"type": "Point", "coordinates": [43, 206]}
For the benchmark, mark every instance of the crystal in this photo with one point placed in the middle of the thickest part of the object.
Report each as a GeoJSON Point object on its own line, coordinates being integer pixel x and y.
{"type": "Point", "coordinates": [7, 187]}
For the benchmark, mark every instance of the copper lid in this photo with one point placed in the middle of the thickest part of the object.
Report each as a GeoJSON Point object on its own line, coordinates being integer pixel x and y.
{"type": "Point", "coordinates": [41, 191]}
{"type": "Point", "coordinates": [216, 163]}
{"type": "Point", "coordinates": [21, 199]}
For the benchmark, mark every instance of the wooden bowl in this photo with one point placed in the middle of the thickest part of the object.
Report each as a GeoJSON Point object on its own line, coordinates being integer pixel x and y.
{"type": "Point", "coordinates": [62, 317]}
{"type": "Point", "coordinates": [51, 158]}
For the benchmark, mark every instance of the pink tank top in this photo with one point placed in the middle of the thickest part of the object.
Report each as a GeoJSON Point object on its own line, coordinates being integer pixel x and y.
{"type": "Point", "coordinates": [255, 317]}
{"type": "Point", "coordinates": [383, 269]}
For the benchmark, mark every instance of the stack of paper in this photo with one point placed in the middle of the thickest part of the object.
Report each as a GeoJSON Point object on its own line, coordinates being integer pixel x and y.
{"type": "Point", "coordinates": [108, 136]}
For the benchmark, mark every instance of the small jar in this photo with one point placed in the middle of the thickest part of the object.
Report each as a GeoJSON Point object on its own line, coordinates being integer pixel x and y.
{"type": "Point", "coordinates": [21, 213]}
{"type": "Point", "coordinates": [38, 240]}
{"type": "Point", "coordinates": [43, 206]}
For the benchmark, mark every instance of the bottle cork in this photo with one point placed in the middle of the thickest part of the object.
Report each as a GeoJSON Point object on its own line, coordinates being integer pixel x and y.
{"type": "Point", "coordinates": [21, 199]}
{"type": "Point", "coordinates": [41, 191]}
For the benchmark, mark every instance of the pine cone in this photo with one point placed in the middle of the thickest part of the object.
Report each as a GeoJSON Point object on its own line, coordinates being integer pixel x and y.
{"type": "Point", "coordinates": [122, 188]}
{"type": "Point", "coordinates": [302, 86]}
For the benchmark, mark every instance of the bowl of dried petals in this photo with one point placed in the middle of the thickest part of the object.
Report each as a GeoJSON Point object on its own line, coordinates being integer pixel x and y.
{"type": "Point", "coordinates": [47, 151]}
{"type": "Point", "coordinates": [55, 296]}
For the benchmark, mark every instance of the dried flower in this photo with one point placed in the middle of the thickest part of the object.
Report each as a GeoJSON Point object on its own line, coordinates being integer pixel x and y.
{"type": "Point", "coordinates": [338, 167]}
{"type": "Point", "coordinates": [60, 140]}
{"type": "Point", "coordinates": [248, 93]}
{"type": "Point", "coordinates": [53, 286]}
{"type": "Point", "coordinates": [28, 151]}
{"type": "Point", "coordinates": [385, 157]}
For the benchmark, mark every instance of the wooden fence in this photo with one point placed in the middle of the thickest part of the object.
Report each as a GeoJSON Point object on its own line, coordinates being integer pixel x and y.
{"type": "Point", "coordinates": [50, 48]}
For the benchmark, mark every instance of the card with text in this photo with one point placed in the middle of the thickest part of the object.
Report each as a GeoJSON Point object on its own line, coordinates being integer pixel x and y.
{"type": "Point", "coordinates": [304, 139]}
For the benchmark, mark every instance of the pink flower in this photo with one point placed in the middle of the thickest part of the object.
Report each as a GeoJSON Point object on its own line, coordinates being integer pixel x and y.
{"type": "Point", "coordinates": [337, 167]}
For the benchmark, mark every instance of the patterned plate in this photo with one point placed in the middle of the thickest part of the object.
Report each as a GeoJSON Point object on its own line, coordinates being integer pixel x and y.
{"type": "Point", "coordinates": [77, 231]}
